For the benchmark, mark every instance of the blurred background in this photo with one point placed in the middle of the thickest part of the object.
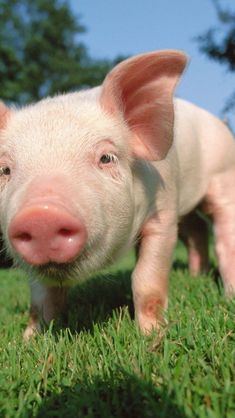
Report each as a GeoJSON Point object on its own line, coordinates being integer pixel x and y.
{"type": "Point", "coordinates": [55, 46]}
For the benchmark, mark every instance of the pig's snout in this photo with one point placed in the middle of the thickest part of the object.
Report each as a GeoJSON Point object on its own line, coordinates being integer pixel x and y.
{"type": "Point", "coordinates": [47, 233]}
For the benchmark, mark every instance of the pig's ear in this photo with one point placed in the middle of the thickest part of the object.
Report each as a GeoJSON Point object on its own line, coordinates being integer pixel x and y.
{"type": "Point", "coordinates": [141, 90]}
{"type": "Point", "coordinates": [4, 115]}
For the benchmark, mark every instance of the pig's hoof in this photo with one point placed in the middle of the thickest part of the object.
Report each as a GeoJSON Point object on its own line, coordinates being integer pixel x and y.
{"type": "Point", "coordinates": [31, 331]}
{"type": "Point", "coordinates": [147, 325]}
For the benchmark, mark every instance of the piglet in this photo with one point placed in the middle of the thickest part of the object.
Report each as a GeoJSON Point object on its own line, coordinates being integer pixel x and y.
{"type": "Point", "coordinates": [85, 176]}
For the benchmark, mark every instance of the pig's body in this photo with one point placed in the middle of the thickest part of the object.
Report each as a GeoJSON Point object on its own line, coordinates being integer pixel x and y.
{"type": "Point", "coordinates": [198, 173]}
{"type": "Point", "coordinates": [84, 187]}
{"type": "Point", "coordinates": [205, 149]}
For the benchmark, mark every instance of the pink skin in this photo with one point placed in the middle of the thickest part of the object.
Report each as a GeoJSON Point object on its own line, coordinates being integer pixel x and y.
{"type": "Point", "coordinates": [221, 207]}
{"type": "Point", "coordinates": [150, 285]}
{"type": "Point", "coordinates": [145, 100]}
{"type": "Point", "coordinates": [43, 233]}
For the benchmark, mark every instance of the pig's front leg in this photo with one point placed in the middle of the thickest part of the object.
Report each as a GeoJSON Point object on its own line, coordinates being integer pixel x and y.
{"type": "Point", "coordinates": [47, 303]}
{"type": "Point", "coordinates": [150, 277]}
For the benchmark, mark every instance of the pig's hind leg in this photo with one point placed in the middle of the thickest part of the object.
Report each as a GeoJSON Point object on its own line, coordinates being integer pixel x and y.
{"type": "Point", "coordinates": [193, 231]}
{"type": "Point", "coordinates": [220, 204]}
{"type": "Point", "coordinates": [47, 303]}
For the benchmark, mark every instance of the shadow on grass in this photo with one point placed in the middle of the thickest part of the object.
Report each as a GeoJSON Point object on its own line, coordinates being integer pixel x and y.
{"type": "Point", "coordinates": [95, 299]}
{"type": "Point", "coordinates": [180, 265]}
{"type": "Point", "coordinates": [125, 396]}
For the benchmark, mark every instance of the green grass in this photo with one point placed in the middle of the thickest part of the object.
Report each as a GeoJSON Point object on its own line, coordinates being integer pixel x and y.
{"type": "Point", "coordinates": [102, 367]}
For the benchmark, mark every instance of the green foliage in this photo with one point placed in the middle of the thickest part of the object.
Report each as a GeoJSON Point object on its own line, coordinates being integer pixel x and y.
{"type": "Point", "coordinates": [102, 367]}
{"type": "Point", "coordinates": [219, 42]}
{"type": "Point", "coordinates": [41, 52]}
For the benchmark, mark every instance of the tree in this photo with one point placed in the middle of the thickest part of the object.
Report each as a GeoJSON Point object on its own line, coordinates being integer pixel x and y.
{"type": "Point", "coordinates": [219, 43]}
{"type": "Point", "coordinates": [41, 53]}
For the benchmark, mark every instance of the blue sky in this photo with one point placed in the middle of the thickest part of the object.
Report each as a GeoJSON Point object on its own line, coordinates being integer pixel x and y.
{"type": "Point", "coordinates": [129, 27]}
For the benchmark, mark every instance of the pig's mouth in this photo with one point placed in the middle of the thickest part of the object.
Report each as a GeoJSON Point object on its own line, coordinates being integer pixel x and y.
{"type": "Point", "coordinates": [56, 272]}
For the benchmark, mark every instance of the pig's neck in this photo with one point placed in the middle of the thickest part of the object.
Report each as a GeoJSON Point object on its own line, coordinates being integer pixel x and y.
{"type": "Point", "coordinates": [146, 184]}
{"type": "Point", "coordinates": [155, 190]}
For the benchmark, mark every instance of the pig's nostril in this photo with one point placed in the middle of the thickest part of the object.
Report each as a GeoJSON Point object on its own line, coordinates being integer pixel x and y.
{"type": "Point", "coordinates": [24, 236]}
{"type": "Point", "coordinates": [65, 232]}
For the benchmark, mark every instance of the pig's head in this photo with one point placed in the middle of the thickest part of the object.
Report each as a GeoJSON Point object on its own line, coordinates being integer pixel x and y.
{"type": "Point", "coordinates": [66, 166]}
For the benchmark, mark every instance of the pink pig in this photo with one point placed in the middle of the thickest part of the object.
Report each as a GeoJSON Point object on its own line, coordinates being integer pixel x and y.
{"type": "Point", "coordinates": [85, 176]}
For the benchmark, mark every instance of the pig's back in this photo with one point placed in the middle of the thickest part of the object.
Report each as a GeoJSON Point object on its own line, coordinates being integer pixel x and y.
{"type": "Point", "coordinates": [204, 146]}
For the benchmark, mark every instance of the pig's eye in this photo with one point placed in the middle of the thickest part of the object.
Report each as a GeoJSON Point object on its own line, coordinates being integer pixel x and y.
{"type": "Point", "coordinates": [5, 171]}
{"type": "Point", "coordinates": [108, 158]}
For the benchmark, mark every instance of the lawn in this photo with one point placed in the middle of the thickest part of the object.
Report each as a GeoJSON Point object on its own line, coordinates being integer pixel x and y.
{"type": "Point", "coordinates": [100, 366]}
